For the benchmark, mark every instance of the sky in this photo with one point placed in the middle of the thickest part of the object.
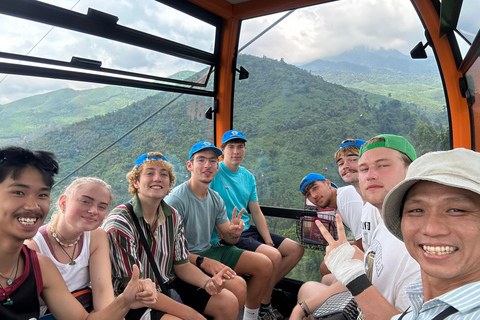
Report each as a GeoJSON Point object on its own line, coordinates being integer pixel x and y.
{"type": "Point", "coordinates": [306, 35]}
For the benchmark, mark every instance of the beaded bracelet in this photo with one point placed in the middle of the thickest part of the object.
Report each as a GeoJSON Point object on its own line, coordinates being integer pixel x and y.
{"type": "Point", "coordinates": [306, 310]}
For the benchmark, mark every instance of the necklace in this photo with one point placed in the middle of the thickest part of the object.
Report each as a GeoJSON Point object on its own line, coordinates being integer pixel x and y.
{"type": "Point", "coordinates": [72, 261]}
{"type": "Point", "coordinates": [8, 301]}
{"type": "Point", "coordinates": [9, 278]}
{"type": "Point", "coordinates": [54, 235]}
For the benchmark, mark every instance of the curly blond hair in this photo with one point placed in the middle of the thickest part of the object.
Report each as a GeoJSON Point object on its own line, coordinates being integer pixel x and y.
{"type": "Point", "coordinates": [134, 175]}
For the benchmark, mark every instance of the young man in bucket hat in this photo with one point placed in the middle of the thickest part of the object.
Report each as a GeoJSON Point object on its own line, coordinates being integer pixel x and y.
{"type": "Point", "coordinates": [237, 187]}
{"type": "Point", "coordinates": [435, 211]}
{"type": "Point", "coordinates": [383, 163]}
{"type": "Point", "coordinates": [203, 210]}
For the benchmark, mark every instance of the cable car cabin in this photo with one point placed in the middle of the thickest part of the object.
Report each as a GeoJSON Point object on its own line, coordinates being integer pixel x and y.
{"type": "Point", "coordinates": [100, 82]}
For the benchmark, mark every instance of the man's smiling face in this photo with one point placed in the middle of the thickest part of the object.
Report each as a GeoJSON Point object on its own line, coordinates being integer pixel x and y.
{"type": "Point", "coordinates": [24, 204]}
{"type": "Point", "coordinates": [441, 228]}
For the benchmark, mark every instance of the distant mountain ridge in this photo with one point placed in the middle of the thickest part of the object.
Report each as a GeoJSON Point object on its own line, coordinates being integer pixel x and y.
{"type": "Point", "coordinates": [381, 58]}
{"type": "Point", "coordinates": [387, 73]}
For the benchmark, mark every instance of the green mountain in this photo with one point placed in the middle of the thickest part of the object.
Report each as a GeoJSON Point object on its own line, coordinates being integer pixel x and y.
{"type": "Point", "coordinates": [30, 117]}
{"type": "Point", "coordinates": [386, 73]}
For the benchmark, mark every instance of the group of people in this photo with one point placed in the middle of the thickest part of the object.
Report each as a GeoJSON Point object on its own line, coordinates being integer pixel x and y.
{"type": "Point", "coordinates": [190, 244]}
{"type": "Point", "coordinates": [26, 179]}
{"type": "Point", "coordinates": [179, 253]}
{"type": "Point", "coordinates": [419, 220]}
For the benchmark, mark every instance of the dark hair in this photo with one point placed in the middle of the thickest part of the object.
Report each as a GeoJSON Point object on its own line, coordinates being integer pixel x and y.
{"type": "Point", "coordinates": [309, 186]}
{"type": "Point", "coordinates": [13, 160]}
{"type": "Point", "coordinates": [236, 140]}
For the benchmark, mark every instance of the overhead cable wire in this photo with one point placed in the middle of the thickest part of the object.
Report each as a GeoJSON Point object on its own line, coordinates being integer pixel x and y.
{"type": "Point", "coordinates": [38, 42]}
{"type": "Point", "coordinates": [266, 30]}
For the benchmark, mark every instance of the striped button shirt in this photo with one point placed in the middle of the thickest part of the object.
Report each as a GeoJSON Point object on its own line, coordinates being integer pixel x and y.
{"type": "Point", "coordinates": [169, 246]}
{"type": "Point", "coordinates": [465, 299]}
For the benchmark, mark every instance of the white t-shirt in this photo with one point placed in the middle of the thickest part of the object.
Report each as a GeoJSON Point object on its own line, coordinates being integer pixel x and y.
{"type": "Point", "coordinates": [390, 267]}
{"type": "Point", "coordinates": [349, 206]}
{"type": "Point", "coordinates": [370, 220]}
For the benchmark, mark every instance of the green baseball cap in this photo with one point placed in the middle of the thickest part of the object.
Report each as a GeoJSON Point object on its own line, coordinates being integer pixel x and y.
{"type": "Point", "coordinates": [392, 141]}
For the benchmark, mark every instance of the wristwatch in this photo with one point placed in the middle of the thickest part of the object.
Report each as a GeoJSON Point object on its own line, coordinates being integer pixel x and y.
{"type": "Point", "coordinates": [199, 262]}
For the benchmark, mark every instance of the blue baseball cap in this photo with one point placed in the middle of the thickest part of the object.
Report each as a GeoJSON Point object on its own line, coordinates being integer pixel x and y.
{"type": "Point", "coordinates": [232, 134]}
{"type": "Point", "coordinates": [204, 145]}
{"type": "Point", "coordinates": [313, 177]}
{"type": "Point", "coordinates": [140, 160]}
{"type": "Point", "coordinates": [358, 143]}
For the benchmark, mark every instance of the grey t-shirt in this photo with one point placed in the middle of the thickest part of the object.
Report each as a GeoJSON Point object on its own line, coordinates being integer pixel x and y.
{"type": "Point", "coordinates": [199, 215]}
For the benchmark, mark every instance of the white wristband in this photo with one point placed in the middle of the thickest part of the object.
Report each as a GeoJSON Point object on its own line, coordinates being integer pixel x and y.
{"type": "Point", "coordinates": [341, 264]}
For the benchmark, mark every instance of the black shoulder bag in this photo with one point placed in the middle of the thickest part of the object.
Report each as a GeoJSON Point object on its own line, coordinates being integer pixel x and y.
{"type": "Point", "coordinates": [154, 313]}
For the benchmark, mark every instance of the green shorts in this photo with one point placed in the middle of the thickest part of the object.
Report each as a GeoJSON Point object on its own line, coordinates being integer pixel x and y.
{"type": "Point", "coordinates": [226, 254]}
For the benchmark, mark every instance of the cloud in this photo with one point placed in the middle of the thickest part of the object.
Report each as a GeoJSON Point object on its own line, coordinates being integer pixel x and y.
{"type": "Point", "coordinates": [332, 28]}
{"type": "Point", "coordinates": [307, 34]}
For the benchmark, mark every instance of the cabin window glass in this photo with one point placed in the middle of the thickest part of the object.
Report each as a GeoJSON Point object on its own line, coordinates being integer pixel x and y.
{"type": "Point", "coordinates": [326, 73]}
{"type": "Point", "coordinates": [151, 17]}
{"type": "Point", "coordinates": [473, 81]}
{"type": "Point", "coordinates": [32, 39]}
{"type": "Point", "coordinates": [467, 25]}
{"type": "Point", "coordinates": [83, 125]}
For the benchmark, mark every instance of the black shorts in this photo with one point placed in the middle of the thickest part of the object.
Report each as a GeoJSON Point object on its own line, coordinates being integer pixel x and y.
{"type": "Point", "coordinates": [136, 314]}
{"type": "Point", "coordinates": [250, 239]}
{"type": "Point", "coordinates": [190, 295]}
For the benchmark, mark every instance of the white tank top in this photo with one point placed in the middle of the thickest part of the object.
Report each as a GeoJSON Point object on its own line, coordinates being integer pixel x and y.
{"type": "Point", "coordinates": [76, 276]}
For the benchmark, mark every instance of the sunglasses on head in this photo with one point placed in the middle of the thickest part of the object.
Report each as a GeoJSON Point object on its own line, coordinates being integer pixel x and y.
{"type": "Point", "coordinates": [26, 158]}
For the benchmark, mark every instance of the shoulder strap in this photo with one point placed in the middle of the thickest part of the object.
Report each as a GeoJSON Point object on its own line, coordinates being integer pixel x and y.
{"type": "Point", "coordinates": [442, 315]}
{"type": "Point", "coordinates": [147, 248]}
{"type": "Point", "coordinates": [445, 313]}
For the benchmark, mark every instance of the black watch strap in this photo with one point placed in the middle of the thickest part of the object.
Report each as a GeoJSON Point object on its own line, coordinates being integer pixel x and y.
{"type": "Point", "coordinates": [199, 261]}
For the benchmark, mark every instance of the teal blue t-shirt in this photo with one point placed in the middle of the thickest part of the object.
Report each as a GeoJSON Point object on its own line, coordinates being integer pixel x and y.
{"type": "Point", "coordinates": [236, 189]}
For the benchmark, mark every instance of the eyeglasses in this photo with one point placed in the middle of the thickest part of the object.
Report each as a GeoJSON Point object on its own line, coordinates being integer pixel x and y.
{"type": "Point", "coordinates": [40, 159]}
{"type": "Point", "coordinates": [203, 160]}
